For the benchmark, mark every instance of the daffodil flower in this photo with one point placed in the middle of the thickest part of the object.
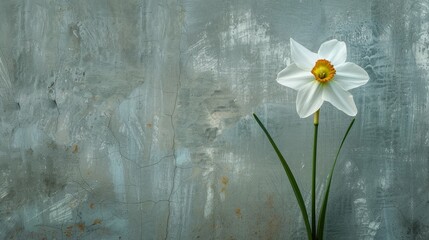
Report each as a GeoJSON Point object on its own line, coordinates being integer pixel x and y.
{"type": "Point", "coordinates": [322, 76]}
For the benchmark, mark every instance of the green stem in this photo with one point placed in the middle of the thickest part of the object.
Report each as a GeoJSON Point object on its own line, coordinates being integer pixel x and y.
{"type": "Point", "coordinates": [313, 186]}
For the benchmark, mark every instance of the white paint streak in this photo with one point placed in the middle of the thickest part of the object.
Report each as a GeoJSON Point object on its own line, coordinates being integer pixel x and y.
{"type": "Point", "coordinates": [60, 211]}
{"type": "Point", "coordinates": [245, 30]}
{"type": "Point", "coordinates": [4, 190]}
{"type": "Point", "coordinates": [202, 60]}
{"type": "Point", "coordinates": [360, 201]}
{"type": "Point", "coordinates": [363, 218]}
{"type": "Point", "coordinates": [421, 48]}
{"type": "Point", "coordinates": [222, 196]}
{"type": "Point", "coordinates": [208, 207]}
{"type": "Point", "coordinates": [116, 168]}
{"type": "Point", "coordinates": [183, 157]}
{"type": "Point", "coordinates": [27, 137]}
{"type": "Point", "coordinates": [208, 178]}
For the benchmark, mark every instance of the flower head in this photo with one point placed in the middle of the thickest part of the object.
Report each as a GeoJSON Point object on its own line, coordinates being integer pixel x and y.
{"type": "Point", "coordinates": [322, 76]}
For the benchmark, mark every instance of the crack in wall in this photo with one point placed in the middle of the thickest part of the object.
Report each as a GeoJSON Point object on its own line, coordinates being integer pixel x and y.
{"type": "Point", "coordinates": [173, 147]}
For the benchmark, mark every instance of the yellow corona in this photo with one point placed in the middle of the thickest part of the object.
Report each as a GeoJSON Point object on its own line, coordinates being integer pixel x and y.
{"type": "Point", "coordinates": [323, 71]}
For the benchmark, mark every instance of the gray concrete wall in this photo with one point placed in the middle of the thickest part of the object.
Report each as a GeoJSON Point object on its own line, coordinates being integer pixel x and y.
{"type": "Point", "coordinates": [132, 119]}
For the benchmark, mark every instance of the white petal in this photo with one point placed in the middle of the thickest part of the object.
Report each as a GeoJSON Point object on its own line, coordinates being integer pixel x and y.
{"type": "Point", "coordinates": [333, 50]}
{"type": "Point", "coordinates": [340, 98]}
{"type": "Point", "coordinates": [350, 75]}
{"type": "Point", "coordinates": [303, 57]}
{"type": "Point", "coordinates": [309, 99]}
{"type": "Point", "coordinates": [294, 77]}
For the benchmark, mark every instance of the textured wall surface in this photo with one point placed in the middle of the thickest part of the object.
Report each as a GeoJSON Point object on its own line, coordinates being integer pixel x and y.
{"type": "Point", "coordinates": [131, 119]}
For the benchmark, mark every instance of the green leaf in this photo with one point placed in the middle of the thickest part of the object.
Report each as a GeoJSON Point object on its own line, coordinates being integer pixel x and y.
{"type": "Point", "coordinates": [322, 214]}
{"type": "Point", "coordinates": [292, 180]}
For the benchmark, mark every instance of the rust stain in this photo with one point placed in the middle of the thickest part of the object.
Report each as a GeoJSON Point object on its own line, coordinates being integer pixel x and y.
{"type": "Point", "coordinates": [81, 226]}
{"type": "Point", "coordinates": [75, 148]}
{"type": "Point", "coordinates": [273, 227]}
{"type": "Point", "coordinates": [96, 221]}
{"type": "Point", "coordinates": [238, 212]}
{"type": "Point", "coordinates": [92, 205]}
{"type": "Point", "coordinates": [224, 180]}
{"type": "Point", "coordinates": [149, 125]}
{"type": "Point", "coordinates": [69, 231]}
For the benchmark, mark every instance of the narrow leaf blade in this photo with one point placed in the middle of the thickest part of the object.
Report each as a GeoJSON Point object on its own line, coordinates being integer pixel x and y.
{"type": "Point", "coordinates": [292, 180]}
{"type": "Point", "coordinates": [322, 214]}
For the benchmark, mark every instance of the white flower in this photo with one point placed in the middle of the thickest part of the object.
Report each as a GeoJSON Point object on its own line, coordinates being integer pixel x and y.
{"type": "Point", "coordinates": [322, 76]}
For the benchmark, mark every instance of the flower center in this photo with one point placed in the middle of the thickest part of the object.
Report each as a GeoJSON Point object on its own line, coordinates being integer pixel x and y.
{"type": "Point", "coordinates": [323, 71]}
